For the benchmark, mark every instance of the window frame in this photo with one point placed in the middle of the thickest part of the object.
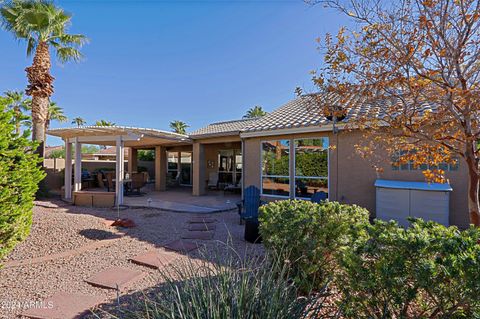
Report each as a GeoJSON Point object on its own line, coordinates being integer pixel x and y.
{"type": "Point", "coordinates": [291, 166]}
{"type": "Point", "coordinates": [411, 168]}
{"type": "Point", "coordinates": [311, 177]}
{"type": "Point", "coordinates": [276, 176]}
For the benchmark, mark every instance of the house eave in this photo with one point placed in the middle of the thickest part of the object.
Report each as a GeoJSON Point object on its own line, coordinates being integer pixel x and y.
{"type": "Point", "coordinates": [293, 130]}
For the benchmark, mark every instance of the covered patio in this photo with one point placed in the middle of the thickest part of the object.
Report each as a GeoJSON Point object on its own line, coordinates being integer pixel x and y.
{"type": "Point", "coordinates": [121, 137]}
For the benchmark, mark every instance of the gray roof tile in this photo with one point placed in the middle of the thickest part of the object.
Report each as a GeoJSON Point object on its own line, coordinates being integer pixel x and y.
{"type": "Point", "coordinates": [305, 111]}
{"type": "Point", "coordinates": [223, 128]}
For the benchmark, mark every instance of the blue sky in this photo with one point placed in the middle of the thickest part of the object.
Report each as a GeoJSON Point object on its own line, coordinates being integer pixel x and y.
{"type": "Point", "coordinates": [150, 62]}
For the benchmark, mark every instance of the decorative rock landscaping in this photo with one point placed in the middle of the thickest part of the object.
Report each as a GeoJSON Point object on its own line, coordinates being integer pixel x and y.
{"type": "Point", "coordinates": [69, 245]}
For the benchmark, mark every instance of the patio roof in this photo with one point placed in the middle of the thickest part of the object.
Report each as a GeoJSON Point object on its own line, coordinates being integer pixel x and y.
{"type": "Point", "coordinates": [131, 136]}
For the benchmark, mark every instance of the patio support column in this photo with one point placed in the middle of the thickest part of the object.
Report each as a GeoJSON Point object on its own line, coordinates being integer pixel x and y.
{"type": "Point", "coordinates": [199, 168]}
{"type": "Point", "coordinates": [120, 170]}
{"type": "Point", "coordinates": [160, 168]}
{"type": "Point", "coordinates": [78, 166]}
{"type": "Point", "coordinates": [132, 160]}
{"type": "Point", "coordinates": [68, 170]}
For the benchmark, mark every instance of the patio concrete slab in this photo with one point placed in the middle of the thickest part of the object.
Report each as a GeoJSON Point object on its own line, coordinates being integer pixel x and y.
{"type": "Point", "coordinates": [63, 306]}
{"type": "Point", "coordinates": [182, 201]}
{"type": "Point", "coordinates": [202, 235]}
{"type": "Point", "coordinates": [113, 277]}
{"type": "Point", "coordinates": [201, 227]}
{"type": "Point", "coordinates": [181, 246]}
{"type": "Point", "coordinates": [154, 259]}
{"type": "Point", "coordinates": [201, 220]}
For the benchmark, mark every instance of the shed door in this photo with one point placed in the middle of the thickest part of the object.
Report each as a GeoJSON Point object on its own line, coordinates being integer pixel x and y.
{"type": "Point", "coordinates": [393, 204]}
{"type": "Point", "coordinates": [430, 206]}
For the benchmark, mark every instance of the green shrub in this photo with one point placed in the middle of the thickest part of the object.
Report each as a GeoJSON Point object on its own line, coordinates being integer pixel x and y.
{"type": "Point", "coordinates": [20, 174]}
{"type": "Point", "coordinates": [425, 271]}
{"type": "Point", "coordinates": [309, 236]}
{"type": "Point", "coordinates": [225, 287]}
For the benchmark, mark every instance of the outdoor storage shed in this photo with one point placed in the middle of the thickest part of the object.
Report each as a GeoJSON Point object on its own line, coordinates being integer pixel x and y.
{"type": "Point", "coordinates": [398, 200]}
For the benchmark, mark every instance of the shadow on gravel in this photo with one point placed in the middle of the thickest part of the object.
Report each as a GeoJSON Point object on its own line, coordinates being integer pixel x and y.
{"type": "Point", "coordinates": [98, 234]}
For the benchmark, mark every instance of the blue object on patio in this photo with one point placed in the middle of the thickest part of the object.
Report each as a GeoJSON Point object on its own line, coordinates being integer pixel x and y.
{"type": "Point", "coordinates": [248, 207]}
{"type": "Point", "coordinates": [319, 197]}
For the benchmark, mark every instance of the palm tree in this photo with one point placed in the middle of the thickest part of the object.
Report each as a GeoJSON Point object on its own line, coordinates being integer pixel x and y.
{"type": "Point", "coordinates": [179, 127]}
{"type": "Point", "coordinates": [79, 121]}
{"type": "Point", "coordinates": [104, 123]}
{"type": "Point", "coordinates": [42, 25]}
{"type": "Point", "coordinates": [253, 112]}
{"type": "Point", "coordinates": [55, 113]}
{"type": "Point", "coordinates": [17, 102]}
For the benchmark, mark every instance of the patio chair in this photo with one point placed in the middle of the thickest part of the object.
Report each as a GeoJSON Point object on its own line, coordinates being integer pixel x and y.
{"type": "Point", "coordinates": [110, 182]}
{"type": "Point", "coordinates": [319, 197]}
{"type": "Point", "coordinates": [100, 177]}
{"type": "Point", "coordinates": [248, 206]}
{"type": "Point", "coordinates": [213, 180]}
{"type": "Point", "coordinates": [138, 181]}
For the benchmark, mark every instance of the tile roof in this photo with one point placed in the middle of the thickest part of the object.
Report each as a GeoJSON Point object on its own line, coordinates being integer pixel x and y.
{"type": "Point", "coordinates": [223, 128]}
{"type": "Point", "coordinates": [305, 111]}
{"type": "Point", "coordinates": [296, 113]}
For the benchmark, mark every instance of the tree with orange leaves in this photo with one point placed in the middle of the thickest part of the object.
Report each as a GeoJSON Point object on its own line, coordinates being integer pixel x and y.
{"type": "Point", "coordinates": [416, 63]}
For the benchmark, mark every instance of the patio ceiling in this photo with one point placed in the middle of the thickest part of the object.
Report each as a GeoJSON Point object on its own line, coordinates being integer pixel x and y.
{"type": "Point", "coordinates": [131, 136]}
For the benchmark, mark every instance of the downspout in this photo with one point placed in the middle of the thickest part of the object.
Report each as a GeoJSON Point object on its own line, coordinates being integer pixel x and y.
{"type": "Point", "coordinates": [335, 133]}
{"type": "Point", "coordinates": [242, 140]}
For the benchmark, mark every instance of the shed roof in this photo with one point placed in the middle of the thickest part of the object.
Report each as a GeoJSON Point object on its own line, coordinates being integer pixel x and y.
{"type": "Point", "coordinates": [383, 183]}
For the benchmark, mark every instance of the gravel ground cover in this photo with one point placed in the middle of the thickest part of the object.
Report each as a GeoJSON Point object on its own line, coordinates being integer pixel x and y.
{"type": "Point", "coordinates": [58, 227]}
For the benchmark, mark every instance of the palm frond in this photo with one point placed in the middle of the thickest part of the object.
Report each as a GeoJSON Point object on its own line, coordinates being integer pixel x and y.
{"type": "Point", "coordinates": [65, 54]}
{"type": "Point", "coordinates": [37, 21]}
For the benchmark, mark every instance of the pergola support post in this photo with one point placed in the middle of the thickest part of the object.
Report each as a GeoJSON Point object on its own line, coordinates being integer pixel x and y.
{"type": "Point", "coordinates": [68, 170]}
{"type": "Point", "coordinates": [160, 168]}
{"type": "Point", "coordinates": [120, 170]}
{"type": "Point", "coordinates": [199, 167]}
{"type": "Point", "coordinates": [78, 166]}
{"type": "Point", "coordinates": [132, 160]}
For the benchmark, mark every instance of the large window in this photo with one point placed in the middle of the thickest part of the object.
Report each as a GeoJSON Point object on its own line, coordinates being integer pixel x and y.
{"type": "Point", "coordinates": [275, 168]}
{"type": "Point", "coordinates": [311, 166]}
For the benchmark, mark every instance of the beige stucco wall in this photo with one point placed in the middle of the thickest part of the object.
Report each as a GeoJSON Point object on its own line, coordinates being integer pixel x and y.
{"type": "Point", "coordinates": [352, 178]}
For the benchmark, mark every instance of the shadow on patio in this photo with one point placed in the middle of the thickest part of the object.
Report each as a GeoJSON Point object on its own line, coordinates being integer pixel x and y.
{"type": "Point", "coordinates": [181, 200]}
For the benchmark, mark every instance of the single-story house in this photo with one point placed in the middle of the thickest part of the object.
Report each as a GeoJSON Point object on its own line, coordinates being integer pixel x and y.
{"type": "Point", "coordinates": [291, 152]}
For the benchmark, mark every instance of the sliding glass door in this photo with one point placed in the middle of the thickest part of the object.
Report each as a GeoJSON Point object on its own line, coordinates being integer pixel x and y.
{"type": "Point", "coordinates": [186, 168]}
{"type": "Point", "coordinates": [229, 167]}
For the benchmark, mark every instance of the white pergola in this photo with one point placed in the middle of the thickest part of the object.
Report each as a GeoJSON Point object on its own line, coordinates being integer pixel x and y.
{"type": "Point", "coordinates": [121, 137]}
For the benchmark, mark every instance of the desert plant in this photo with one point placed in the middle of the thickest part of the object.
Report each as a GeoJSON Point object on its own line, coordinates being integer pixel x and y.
{"type": "Point", "coordinates": [179, 127]}
{"type": "Point", "coordinates": [425, 271]}
{"type": "Point", "coordinates": [146, 155]}
{"type": "Point", "coordinates": [309, 236]}
{"type": "Point", "coordinates": [20, 174]}
{"type": "Point", "coordinates": [104, 123]}
{"type": "Point", "coordinates": [19, 104]}
{"type": "Point", "coordinates": [253, 112]}
{"type": "Point", "coordinates": [43, 26]}
{"type": "Point", "coordinates": [225, 286]}
{"type": "Point", "coordinates": [79, 121]}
